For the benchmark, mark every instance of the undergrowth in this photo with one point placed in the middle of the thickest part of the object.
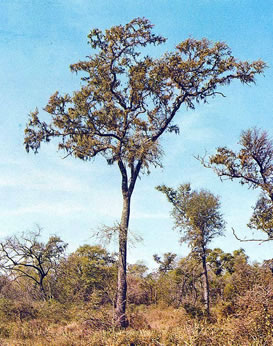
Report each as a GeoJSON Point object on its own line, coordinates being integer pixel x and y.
{"type": "Point", "coordinates": [52, 324]}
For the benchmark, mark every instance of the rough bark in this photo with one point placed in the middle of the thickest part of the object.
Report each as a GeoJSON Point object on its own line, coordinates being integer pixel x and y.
{"type": "Point", "coordinates": [120, 313]}
{"type": "Point", "coordinates": [206, 284]}
{"type": "Point", "coordinates": [121, 320]}
{"type": "Point", "coordinates": [127, 188]}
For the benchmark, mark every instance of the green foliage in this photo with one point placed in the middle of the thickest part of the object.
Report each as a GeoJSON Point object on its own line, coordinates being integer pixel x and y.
{"type": "Point", "coordinates": [242, 314]}
{"type": "Point", "coordinates": [137, 269]}
{"type": "Point", "coordinates": [262, 217]}
{"type": "Point", "coordinates": [86, 273]}
{"type": "Point", "coordinates": [128, 100]}
{"type": "Point", "coordinates": [167, 263]}
{"type": "Point", "coordinates": [221, 262]}
{"type": "Point", "coordinates": [251, 165]}
{"type": "Point", "coordinates": [196, 215]}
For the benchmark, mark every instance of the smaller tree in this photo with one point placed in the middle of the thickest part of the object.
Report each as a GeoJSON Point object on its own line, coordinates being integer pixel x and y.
{"type": "Point", "coordinates": [197, 215]}
{"type": "Point", "coordinates": [187, 277]}
{"type": "Point", "coordinates": [87, 271]}
{"type": "Point", "coordinates": [251, 165]}
{"type": "Point", "coordinates": [221, 262]}
{"type": "Point", "coordinates": [138, 289]}
{"type": "Point", "coordinates": [167, 263]}
{"type": "Point", "coordinates": [27, 257]}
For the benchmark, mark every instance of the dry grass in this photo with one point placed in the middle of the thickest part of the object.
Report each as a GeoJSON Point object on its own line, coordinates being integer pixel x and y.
{"type": "Point", "coordinates": [148, 326]}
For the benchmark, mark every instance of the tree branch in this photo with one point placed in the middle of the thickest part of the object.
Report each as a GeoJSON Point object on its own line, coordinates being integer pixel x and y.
{"type": "Point", "coordinates": [250, 240]}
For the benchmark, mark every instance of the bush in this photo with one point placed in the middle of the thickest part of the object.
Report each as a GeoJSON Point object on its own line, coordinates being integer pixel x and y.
{"type": "Point", "coordinates": [16, 310]}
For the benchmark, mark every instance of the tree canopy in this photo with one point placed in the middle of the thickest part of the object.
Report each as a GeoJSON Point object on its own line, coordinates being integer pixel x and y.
{"type": "Point", "coordinates": [129, 99]}
{"type": "Point", "coordinates": [85, 271]}
{"type": "Point", "coordinates": [166, 263]}
{"type": "Point", "coordinates": [251, 165]}
{"type": "Point", "coordinates": [196, 215]}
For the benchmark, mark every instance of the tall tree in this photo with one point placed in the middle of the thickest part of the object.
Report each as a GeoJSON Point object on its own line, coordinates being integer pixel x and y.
{"type": "Point", "coordinates": [197, 215]}
{"type": "Point", "coordinates": [127, 101]}
{"type": "Point", "coordinates": [251, 165]}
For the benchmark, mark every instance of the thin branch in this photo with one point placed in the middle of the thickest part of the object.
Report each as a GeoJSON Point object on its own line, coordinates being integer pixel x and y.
{"type": "Point", "coordinates": [248, 240]}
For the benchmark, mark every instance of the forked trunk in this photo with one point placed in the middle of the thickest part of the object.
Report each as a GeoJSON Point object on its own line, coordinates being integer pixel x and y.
{"type": "Point", "coordinates": [120, 312]}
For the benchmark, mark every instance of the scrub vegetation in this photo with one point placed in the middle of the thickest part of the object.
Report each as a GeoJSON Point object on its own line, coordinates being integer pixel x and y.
{"type": "Point", "coordinates": [165, 307]}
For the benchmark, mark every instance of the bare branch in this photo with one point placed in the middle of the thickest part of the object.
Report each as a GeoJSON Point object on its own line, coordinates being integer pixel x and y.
{"type": "Point", "coordinates": [250, 240]}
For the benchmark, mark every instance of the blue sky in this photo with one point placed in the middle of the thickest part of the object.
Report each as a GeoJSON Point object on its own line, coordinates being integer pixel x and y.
{"type": "Point", "coordinates": [38, 42]}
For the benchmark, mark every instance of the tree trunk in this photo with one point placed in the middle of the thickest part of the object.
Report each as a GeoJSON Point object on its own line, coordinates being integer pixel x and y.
{"type": "Point", "coordinates": [121, 320]}
{"type": "Point", "coordinates": [42, 289]}
{"type": "Point", "coordinates": [206, 284]}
